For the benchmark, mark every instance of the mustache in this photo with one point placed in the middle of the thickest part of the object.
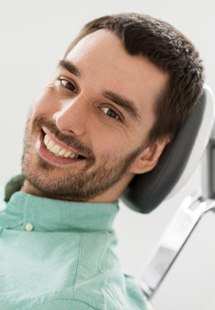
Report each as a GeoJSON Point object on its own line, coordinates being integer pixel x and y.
{"type": "Point", "coordinates": [72, 141]}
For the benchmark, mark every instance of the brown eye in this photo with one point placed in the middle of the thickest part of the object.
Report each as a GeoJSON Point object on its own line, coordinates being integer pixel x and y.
{"type": "Point", "coordinates": [111, 113]}
{"type": "Point", "coordinates": [67, 84]}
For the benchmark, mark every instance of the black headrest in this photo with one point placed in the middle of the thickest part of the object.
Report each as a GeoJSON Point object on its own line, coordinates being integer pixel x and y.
{"type": "Point", "coordinates": [147, 191]}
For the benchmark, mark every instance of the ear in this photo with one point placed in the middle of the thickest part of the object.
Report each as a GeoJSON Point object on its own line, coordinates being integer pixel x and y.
{"type": "Point", "coordinates": [149, 157]}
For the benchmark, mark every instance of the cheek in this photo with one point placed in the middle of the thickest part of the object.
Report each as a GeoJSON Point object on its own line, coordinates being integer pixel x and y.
{"type": "Point", "coordinates": [107, 144]}
{"type": "Point", "coordinates": [112, 140]}
{"type": "Point", "coordinates": [44, 103]}
{"type": "Point", "coordinates": [118, 144]}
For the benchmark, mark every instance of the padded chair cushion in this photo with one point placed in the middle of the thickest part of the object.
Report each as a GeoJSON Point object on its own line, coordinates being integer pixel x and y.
{"type": "Point", "coordinates": [147, 191]}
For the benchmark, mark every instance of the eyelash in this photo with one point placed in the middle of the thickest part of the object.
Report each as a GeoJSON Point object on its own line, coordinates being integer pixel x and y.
{"type": "Point", "coordinates": [74, 90]}
{"type": "Point", "coordinates": [117, 117]}
{"type": "Point", "coordinates": [62, 80]}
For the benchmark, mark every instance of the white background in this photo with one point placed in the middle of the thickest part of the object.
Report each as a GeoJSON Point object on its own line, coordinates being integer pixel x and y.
{"type": "Point", "coordinates": [33, 37]}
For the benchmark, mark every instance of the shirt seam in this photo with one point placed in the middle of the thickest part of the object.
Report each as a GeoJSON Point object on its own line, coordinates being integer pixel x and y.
{"type": "Point", "coordinates": [77, 266]}
{"type": "Point", "coordinates": [65, 299]}
{"type": "Point", "coordinates": [76, 274]}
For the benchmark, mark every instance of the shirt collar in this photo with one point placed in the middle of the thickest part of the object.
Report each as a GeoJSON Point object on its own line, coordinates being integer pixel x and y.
{"type": "Point", "coordinates": [57, 215]}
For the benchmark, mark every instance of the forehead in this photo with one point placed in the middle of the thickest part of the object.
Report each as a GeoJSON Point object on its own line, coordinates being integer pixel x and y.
{"type": "Point", "coordinates": [104, 63]}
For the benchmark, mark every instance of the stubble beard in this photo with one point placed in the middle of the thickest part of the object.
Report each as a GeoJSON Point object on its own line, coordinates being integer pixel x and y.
{"type": "Point", "coordinates": [82, 184]}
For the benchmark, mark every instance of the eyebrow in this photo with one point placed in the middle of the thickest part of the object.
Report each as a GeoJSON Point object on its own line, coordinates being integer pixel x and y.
{"type": "Point", "coordinates": [69, 67]}
{"type": "Point", "coordinates": [126, 104]}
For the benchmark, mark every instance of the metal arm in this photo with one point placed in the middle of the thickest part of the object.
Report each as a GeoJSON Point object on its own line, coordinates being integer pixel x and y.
{"type": "Point", "coordinates": [173, 241]}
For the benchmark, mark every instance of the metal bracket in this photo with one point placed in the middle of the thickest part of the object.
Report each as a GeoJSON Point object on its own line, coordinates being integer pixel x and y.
{"type": "Point", "coordinates": [172, 242]}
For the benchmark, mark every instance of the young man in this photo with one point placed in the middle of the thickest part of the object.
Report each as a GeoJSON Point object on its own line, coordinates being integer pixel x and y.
{"type": "Point", "coordinates": [120, 94]}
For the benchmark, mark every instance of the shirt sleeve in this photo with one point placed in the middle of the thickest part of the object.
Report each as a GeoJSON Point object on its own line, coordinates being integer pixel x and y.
{"type": "Point", "coordinates": [64, 304]}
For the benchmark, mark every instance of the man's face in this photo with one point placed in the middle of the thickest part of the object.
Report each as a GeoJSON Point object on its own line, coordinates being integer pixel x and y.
{"type": "Point", "coordinates": [86, 135]}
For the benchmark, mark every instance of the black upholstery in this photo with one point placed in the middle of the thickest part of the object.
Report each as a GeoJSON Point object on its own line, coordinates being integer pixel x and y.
{"type": "Point", "coordinates": [147, 191]}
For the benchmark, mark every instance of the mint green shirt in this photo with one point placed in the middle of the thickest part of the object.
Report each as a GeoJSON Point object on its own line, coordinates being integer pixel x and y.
{"type": "Point", "coordinates": [61, 255]}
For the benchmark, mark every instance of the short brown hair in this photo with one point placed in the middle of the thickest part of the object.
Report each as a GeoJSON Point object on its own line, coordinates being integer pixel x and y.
{"type": "Point", "coordinates": [170, 51]}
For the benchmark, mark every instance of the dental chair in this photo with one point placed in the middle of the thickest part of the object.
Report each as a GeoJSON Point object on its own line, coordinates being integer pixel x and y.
{"type": "Point", "coordinates": [194, 144]}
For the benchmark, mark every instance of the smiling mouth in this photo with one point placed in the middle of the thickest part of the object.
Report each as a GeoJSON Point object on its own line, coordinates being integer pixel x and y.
{"type": "Point", "coordinates": [55, 151]}
{"type": "Point", "coordinates": [58, 150]}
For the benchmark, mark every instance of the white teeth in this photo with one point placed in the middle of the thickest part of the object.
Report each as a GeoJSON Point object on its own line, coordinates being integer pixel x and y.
{"type": "Point", "coordinates": [57, 149]}
{"type": "Point", "coordinates": [67, 154]}
{"type": "Point", "coordinates": [73, 156]}
{"type": "Point", "coordinates": [49, 144]}
{"type": "Point", "coordinates": [46, 139]}
{"type": "Point", "coordinates": [61, 153]}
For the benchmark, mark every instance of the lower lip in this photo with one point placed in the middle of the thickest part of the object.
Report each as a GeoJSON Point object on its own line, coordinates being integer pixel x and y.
{"type": "Point", "coordinates": [50, 157]}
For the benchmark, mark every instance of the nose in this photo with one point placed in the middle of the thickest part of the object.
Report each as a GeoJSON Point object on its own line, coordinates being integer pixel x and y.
{"type": "Point", "coordinates": [71, 118]}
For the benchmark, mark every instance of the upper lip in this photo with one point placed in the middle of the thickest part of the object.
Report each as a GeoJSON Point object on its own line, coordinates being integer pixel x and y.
{"type": "Point", "coordinates": [62, 144]}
